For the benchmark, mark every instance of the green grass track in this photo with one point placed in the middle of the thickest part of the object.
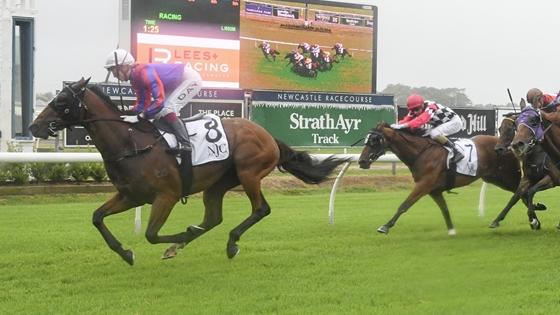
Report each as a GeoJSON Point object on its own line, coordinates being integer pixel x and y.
{"type": "Point", "coordinates": [53, 261]}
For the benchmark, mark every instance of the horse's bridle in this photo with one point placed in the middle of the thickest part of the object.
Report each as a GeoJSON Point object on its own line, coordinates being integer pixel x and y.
{"type": "Point", "coordinates": [373, 140]}
{"type": "Point", "coordinates": [69, 112]}
{"type": "Point", "coordinates": [72, 114]}
{"type": "Point", "coordinates": [534, 130]}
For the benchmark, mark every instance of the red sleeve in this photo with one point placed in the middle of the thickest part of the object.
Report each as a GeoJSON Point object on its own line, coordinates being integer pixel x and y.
{"type": "Point", "coordinates": [419, 121]}
{"type": "Point", "coordinates": [548, 99]}
{"type": "Point", "coordinates": [153, 83]}
{"type": "Point", "coordinates": [406, 118]}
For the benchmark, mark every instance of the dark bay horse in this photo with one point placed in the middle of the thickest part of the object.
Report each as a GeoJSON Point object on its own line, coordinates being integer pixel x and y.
{"type": "Point", "coordinates": [426, 160]}
{"type": "Point", "coordinates": [291, 56]}
{"type": "Point", "coordinates": [137, 162]}
{"type": "Point", "coordinates": [325, 62]}
{"type": "Point", "coordinates": [532, 144]}
{"type": "Point", "coordinates": [536, 168]}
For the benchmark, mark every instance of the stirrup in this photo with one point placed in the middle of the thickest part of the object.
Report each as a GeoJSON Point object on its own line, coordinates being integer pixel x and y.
{"type": "Point", "coordinates": [184, 147]}
{"type": "Point", "coordinates": [179, 149]}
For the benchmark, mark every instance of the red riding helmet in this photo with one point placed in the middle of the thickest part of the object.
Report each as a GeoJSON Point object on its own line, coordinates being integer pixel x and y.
{"type": "Point", "coordinates": [414, 101]}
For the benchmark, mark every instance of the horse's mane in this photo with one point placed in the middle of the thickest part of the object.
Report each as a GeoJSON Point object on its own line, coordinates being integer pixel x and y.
{"type": "Point", "coordinates": [99, 92]}
{"type": "Point", "coordinates": [143, 126]}
{"type": "Point", "coordinates": [404, 132]}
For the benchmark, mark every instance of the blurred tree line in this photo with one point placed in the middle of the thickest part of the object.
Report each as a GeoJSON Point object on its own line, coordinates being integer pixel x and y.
{"type": "Point", "coordinates": [452, 97]}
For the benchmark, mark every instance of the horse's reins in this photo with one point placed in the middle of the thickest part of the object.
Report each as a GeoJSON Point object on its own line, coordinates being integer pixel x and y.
{"type": "Point", "coordinates": [78, 96]}
{"type": "Point", "coordinates": [426, 147]}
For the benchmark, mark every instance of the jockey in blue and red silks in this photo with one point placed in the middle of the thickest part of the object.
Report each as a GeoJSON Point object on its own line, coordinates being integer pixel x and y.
{"type": "Point", "coordinates": [545, 101]}
{"type": "Point", "coordinates": [437, 120]}
{"type": "Point", "coordinates": [549, 104]}
{"type": "Point", "coordinates": [161, 90]}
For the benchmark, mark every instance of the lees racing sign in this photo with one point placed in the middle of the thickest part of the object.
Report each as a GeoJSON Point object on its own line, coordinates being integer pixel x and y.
{"type": "Point", "coordinates": [320, 119]}
{"type": "Point", "coordinates": [217, 60]}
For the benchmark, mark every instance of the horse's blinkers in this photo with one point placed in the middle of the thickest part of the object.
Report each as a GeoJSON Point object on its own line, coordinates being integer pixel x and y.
{"type": "Point", "coordinates": [375, 142]}
{"type": "Point", "coordinates": [67, 104]}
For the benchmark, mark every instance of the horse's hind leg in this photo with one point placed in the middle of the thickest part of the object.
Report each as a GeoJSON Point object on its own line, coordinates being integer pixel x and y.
{"type": "Point", "coordinates": [117, 204]}
{"type": "Point", "coordinates": [260, 209]}
{"type": "Point", "coordinates": [440, 201]}
{"type": "Point", "coordinates": [213, 199]}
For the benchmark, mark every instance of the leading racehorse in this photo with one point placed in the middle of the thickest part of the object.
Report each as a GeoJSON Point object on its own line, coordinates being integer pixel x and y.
{"type": "Point", "coordinates": [270, 52]}
{"type": "Point", "coordinates": [142, 171]}
{"type": "Point", "coordinates": [426, 160]}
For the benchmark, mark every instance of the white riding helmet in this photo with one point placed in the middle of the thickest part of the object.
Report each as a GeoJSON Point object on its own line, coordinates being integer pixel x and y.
{"type": "Point", "coordinates": [123, 57]}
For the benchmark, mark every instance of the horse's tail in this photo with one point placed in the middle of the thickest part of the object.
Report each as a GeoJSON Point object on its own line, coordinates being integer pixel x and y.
{"type": "Point", "coordinates": [303, 166]}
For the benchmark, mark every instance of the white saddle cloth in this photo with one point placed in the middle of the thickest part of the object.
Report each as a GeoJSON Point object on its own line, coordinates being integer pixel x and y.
{"type": "Point", "coordinates": [208, 140]}
{"type": "Point", "coordinates": [469, 164]}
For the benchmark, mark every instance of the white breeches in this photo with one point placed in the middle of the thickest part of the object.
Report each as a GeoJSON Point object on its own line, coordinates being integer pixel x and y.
{"type": "Point", "coordinates": [191, 85]}
{"type": "Point", "coordinates": [449, 128]}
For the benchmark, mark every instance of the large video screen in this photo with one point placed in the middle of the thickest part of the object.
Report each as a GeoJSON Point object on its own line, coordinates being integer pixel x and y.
{"type": "Point", "coordinates": [201, 33]}
{"type": "Point", "coordinates": [311, 45]}
{"type": "Point", "coordinates": [311, 29]}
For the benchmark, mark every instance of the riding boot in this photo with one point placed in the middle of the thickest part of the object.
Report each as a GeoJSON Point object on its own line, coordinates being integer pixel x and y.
{"type": "Point", "coordinates": [183, 142]}
{"type": "Point", "coordinates": [457, 155]}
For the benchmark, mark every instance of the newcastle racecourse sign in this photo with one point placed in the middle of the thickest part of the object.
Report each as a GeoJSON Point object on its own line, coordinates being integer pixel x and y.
{"type": "Point", "coordinates": [320, 119]}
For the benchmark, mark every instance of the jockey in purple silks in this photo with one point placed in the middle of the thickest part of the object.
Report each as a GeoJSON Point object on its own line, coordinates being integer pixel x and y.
{"type": "Point", "coordinates": [161, 90]}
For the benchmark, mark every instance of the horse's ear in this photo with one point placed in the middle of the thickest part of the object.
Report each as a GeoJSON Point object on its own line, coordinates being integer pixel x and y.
{"type": "Point", "coordinates": [87, 81]}
{"type": "Point", "coordinates": [522, 104]}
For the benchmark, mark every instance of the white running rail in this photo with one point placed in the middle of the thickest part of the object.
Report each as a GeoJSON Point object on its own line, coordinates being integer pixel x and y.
{"type": "Point", "coordinates": [58, 157]}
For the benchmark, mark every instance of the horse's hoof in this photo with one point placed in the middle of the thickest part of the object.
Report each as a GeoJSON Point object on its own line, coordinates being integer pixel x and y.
{"type": "Point", "coordinates": [128, 256]}
{"type": "Point", "coordinates": [451, 232]}
{"type": "Point", "coordinates": [494, 225]}
{"type": "Point", "coordinates": [383, 229]}
{"type": "Point", "coordinates": [535, 224]}
{"type": "Point", "coordinates": [539, 207]}
{"type": "Point", "coordinates": [232, 251]}
{"type": "Point", "coordinates": [171, 252]}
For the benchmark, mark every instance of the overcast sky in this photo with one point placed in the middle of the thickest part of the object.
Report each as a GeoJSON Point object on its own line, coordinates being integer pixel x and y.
{"type": "Point", "coordinates": [484, 46]}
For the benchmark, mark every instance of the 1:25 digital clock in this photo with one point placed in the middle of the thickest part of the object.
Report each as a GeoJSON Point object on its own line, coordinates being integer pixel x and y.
{"type": "Point", "coordinates": [151, 29]}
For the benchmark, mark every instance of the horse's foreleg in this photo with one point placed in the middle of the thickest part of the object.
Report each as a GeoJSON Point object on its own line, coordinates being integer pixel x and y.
{"type": "Point", "coordinates": [117, 204]}
{"type": "Point", "coordinates": [416, 194]}
{"type": "Point", "coordinates": [440, 201]}
{"type": "Point", "coordinates": [545, 183]}
{"type": "Point", "coordinates": [520, 191]}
